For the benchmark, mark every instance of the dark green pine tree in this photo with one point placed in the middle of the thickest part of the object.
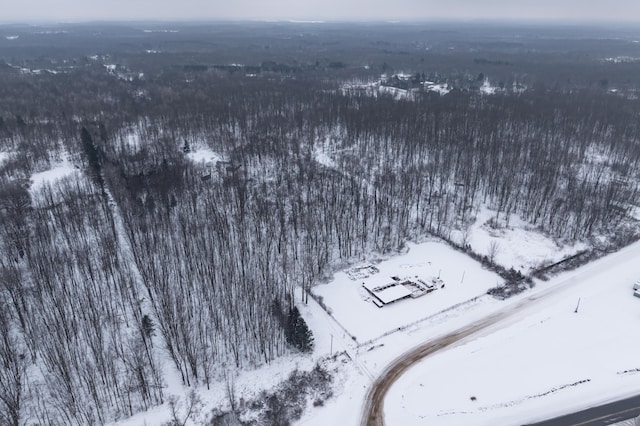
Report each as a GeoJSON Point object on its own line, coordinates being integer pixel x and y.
{"type": "Point", "coordinates": [297, 332]}
{"type": "Point", "coordinates": [93, 156]}
{"type": "Point", "coordinates": [147, 326]}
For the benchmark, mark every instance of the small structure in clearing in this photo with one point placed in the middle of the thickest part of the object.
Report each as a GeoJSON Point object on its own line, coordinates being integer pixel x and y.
{"type": "Point", "coordinates": [400, 289]}
{"type": "Point", "coordinates": [361, 272]}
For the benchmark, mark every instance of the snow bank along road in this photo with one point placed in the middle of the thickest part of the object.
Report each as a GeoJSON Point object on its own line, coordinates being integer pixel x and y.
{"type": "Point", "coordinates": [373, 410]}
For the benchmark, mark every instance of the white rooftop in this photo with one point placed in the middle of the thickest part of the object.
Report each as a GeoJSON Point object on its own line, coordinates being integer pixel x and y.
{"type": "Point", "coordinates": [390, 293]}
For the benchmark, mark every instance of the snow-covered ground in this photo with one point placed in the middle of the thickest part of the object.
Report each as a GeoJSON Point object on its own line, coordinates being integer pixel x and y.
{"type": "Point", "coordinates": [519, 370]}
{"type": "Point", "coordinates": [4, 156]}
{"type": "Point", "coordinates": [322, 157]}
{"type": "Point", "coordinates": [377, 87]}
{"type": "Point", "coordinates": [487, 88]}
{"type": "Point", "coordinates": [397, 93]}
{"type": "Point", "coordinates": [248, 385]}
{"type": "Point", "coordinates": [205, 155]}
{"type": "Point", "coordinates": [58, 171]}
{"type": "Point", "coordinates": [384, 333]}
{"type": "Point", "coordinates": [544, 361]}
{"type": "Point", "coordinates": [131, 141]}
{"type": "Point", "coordinates": [518, 245]}
{"type": "Point", "coordinates": [351, 304]}
{"type": "Point", "coordinates": [442, 88]}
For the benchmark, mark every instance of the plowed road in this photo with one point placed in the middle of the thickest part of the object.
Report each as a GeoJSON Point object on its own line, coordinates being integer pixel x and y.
{"type": "Point", "coordinates": [373, 410]}
{"type": "Point", "coordinates": [374, 404]}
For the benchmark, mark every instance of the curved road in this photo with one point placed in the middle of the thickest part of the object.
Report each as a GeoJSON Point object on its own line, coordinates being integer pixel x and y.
{"type": "Point", "coordinates": [374, 404]}
{"type": "Point", "coordinates": [373, 411]}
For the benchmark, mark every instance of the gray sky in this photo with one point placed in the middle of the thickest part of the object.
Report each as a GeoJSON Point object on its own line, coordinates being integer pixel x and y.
{"type": "Point", "coordinates": [74, 10]}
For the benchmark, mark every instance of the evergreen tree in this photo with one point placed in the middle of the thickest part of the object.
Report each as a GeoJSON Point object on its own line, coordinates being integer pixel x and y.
{"type": "Point", "coordinates": [148, 327]}
{"type": "Point", "coordinates": [93, 156]}
{"type": "Point", "coordinates": [278, 313]}
{"type": "Point", "coordinates": [297, 332]}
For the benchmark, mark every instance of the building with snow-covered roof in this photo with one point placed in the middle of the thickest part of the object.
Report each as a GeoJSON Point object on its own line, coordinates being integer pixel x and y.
{"type": "Point", "coordinates": [388, 293]}
{"type": "Point", "coordinates": [396, 290]}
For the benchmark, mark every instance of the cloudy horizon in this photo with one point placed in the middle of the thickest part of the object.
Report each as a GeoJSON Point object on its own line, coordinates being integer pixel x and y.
{"type": "Point", "coordinates": [327, 10]}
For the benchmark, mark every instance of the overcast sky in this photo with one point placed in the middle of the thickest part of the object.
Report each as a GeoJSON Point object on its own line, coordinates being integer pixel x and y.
{"type": "Point", "coordinates": [78, 10]}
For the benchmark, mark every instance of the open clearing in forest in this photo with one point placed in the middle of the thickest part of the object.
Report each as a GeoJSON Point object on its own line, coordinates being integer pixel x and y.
{"type": "Point", "coordinates": [352, 307]}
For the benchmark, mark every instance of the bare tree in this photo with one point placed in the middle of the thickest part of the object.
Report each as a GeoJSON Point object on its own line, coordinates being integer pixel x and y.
{"type": "Point", "coordinates": [494, 249]}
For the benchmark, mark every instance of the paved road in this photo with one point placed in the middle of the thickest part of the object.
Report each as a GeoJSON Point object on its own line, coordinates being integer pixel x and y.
{"type": "Point", "coordinates": [606, 414]}
{"type": "Point", "coordinates": [373, 410]}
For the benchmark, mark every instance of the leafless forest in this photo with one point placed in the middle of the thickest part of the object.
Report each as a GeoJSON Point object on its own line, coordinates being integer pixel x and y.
{"type": "Point", "coordinates": [143, 259]}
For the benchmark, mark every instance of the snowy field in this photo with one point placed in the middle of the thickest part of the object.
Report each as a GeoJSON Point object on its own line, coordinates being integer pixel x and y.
{"type": "Point", "coordinates": [540, 360]}
{"type": "Point", "coordinates": [543, 361]}
{"type": "Point", "coordinates": [204, 155]}
{"type": "Point", "coordinates": [56, 172]}
{"type": "Point", "coordinates": [518, 244]}
{"type": "Point", "coordinates": [351, 304]}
